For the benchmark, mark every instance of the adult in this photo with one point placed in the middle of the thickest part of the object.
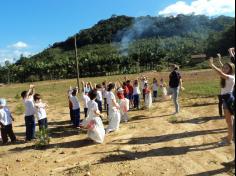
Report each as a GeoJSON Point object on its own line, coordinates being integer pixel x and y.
{"type": "Point", "coordinates": [227, 87]}
{"type": "Point", "coordinates": [175, 84]}
{"type": "Point", "coordinates": [231, 164]}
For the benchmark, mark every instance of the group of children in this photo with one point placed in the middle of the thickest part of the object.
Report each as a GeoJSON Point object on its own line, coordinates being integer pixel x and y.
{"type": "Point", "coordinates": [33, 107]}
{"type": "Point", "coordinates": [114, 98]}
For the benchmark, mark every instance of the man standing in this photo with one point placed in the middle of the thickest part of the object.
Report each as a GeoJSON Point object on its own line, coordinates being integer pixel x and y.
{"type": "Point", "coordinates": [175, 84]}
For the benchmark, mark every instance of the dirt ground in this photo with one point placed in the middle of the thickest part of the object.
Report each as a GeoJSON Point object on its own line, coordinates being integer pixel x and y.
{"type": "Point", "coordinates": [149, 145]}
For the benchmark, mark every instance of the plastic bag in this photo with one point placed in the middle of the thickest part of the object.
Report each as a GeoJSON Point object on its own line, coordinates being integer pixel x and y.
{"type": "Point", "coordinates": [96, 130]}
{"type": "Point", "coordinates": [148, 100]}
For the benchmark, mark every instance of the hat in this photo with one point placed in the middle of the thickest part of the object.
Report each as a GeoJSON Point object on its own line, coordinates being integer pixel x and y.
{"type": "Point", "coordinates": [3, 102]}
{"type": "Point", "coordinates": [120, 90]}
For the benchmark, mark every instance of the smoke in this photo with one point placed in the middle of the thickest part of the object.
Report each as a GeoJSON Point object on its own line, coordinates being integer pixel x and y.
{"type": "Point", "coordinates": [142, 27]}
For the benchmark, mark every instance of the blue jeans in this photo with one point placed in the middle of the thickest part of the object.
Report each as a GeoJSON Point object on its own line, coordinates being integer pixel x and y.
{"type": "Point", "coordinates": [76, 117]}
{"type": "Point", "coordinates": [136, 101]}
{"type": "Point", "coordinates": [99, 105]}
{"type": "Point", "coordinates": [175, 95]}
{"type": "Point", "coordinates": [43, 123]}
{"type": "Point", "coordinates": [30, 127]}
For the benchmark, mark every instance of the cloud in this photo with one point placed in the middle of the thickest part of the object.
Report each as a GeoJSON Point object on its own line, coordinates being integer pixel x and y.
{"type": "Point", "coordinates": [200, 7]}
{"type": "Point", "coordinates": [12, 54]}
{"type": "Point", "coordinates": [19, 45]}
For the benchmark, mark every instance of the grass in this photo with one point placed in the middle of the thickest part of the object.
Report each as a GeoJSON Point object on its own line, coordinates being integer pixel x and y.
{"type": "Point", "coordinates": [197, 83]}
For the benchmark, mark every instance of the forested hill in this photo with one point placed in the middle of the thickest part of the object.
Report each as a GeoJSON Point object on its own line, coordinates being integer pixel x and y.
{"type": "Point", "coordinates": [123, 45]}
{"type": "Point", "coordinates": [117, 28]}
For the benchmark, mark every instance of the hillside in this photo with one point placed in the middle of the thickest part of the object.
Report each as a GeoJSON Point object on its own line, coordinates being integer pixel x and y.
{"type": "Point", "coordinates": [124, 45]}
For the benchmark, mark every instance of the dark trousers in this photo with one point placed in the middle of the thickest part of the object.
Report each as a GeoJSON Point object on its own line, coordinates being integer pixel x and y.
{"type": "Point", "coordinates": [144, 94]}
{"type": "Point", "coordinates": [76, 117]}
{"type": "Point", "coordinates": [99, 105]}
{"type": "Point", "coordinates": [136, 101]}
{"type": "Point", "coordinates": [30, 127]}
{"type": "Point", "coordinates": [86, 112]}
{"type": "Point", "coordinates": [43, 123]}
{"type": "Point", "coordinates": [155, 94]}
{"type": "Point", "coordinates": [220, 105]}
{"type": "Point", "coordinates": [7, 131]}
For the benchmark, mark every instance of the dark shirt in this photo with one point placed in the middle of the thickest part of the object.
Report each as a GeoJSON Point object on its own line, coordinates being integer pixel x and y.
{"type": "Point", "coordinates": [174, 79]}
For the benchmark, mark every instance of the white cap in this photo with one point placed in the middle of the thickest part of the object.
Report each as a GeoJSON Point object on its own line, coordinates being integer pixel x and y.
{"type": "Point", "coordinates": [3, 102]}
{"type": "Point", "coordinates": [120, 90]}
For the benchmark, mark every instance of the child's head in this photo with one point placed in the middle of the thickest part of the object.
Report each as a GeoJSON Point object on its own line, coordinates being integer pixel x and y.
{"type": "Point", "coordinates": [99, 86]}
{"type": "Point", "coordinates": [37, 97]}
{"type": "Point", "coordinates": [111, 87]}
{"type": "Point", "coordinates": [146, 85]}
{"type": "Point", "coordinates": [92, 94]}
{"type": "Point", "coordinates": [74, 92]}
{"type": "Point", "coordinates": [124, 84]}
{"type": "Point", "coordinates": [3, 103]}
{"type": "Point", "coordinates": [23, 94]}
{"type": "Point", "coordinates": [120, 90]}
{"type": "Point", "coordinates": [128, 82]}
{"type": "Point", "coordinates": [135, 82]}
{"type": "Point", "coordinates": [154, 80]}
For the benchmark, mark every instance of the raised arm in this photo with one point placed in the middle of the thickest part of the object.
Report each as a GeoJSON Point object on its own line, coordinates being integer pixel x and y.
{"type": "Point", "coordinates": [219, 59]}
{"type": "Point", "coordinates": [31, 91]}
{"type": "Point", "coordinates": [218, 71]}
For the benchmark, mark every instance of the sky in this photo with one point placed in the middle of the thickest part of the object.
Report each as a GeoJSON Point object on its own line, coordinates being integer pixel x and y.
{"type": "Point", "coordinates": [29, 26]}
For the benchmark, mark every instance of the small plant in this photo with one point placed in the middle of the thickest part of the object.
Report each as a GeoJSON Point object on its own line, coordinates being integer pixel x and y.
{"type": "Point", "coordinates": [17, 97]}
{"type": "Point", "coordinates": [173, 119]}
{"type": "Point", "coordinates": [43, 138]}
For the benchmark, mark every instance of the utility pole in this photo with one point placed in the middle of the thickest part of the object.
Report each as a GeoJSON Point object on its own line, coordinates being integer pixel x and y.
{"type": "Point", "coordinates": [77, 63]}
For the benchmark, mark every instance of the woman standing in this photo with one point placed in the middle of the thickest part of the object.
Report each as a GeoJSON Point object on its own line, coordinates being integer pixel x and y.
{"type": "Point", "coordinates": [227, 87]}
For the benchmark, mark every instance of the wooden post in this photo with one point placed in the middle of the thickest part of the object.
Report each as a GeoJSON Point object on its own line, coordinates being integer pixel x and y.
{"type": "Point", "coordinates": [77, 63]}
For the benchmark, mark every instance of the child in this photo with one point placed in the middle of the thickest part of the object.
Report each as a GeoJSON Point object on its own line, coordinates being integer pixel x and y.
{"type": "Point", "coordinates": [126, 90]}
{"type": "Point", "coordinates": [124, 105]}
{"type": "Point", "coordinates": [113, 107]}
{"type": "Point", "coordinates": [75, 107]}
{"type": "Point", "coordinates": [28, 100]}
{"type": "Point", "coordinates": [41, 112]}
{"type": "Point", "coordinates": [6, 123]}
{"type": "Point", "coordinates": [93, 123]}
{"type": "Point", "coordinates": [143, 82]}
{"type": "Point", "coordinates": [227, 76]}
{"type": "Point", "coordinates": [136, 95]}
{"type": "Point", "coordinates": [155, 89]}
{"type": "Point", "coordinates": [164, 90]}
{"type": "Point", "coordinates": [131, 91]}
{"type": "Point", "coordinates": [148, 96]}
{"type": "Point", "coordinates": [99, 97]}
{"type": "Point", "coordinates": [86, 99]}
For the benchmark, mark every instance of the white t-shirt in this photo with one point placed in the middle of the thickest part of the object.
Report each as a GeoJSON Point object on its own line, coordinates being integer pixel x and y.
{"type": "Point", "coordinates": [229, 86]}
{"type": "Point", "coordinates": [92, 107]}
{"type": "Point", "coordinates": [75, 102]}
{"type": "Point", "coordinates": [40, 111]}
{"type": "Point", "coordinates": [5, 116]}
{"type": "Point", "coordinates": [99, 95]}
{"type": "Point", "coordinates": [29, 106]}
{"type": "Point", "coordinates": [136, 90]}
{"type": "Point", "coordinates": [86, 99]}
{"type": "Point", "coordinates": [110, 97]}
{"type": "Point", "coordinates": [155, 87]}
